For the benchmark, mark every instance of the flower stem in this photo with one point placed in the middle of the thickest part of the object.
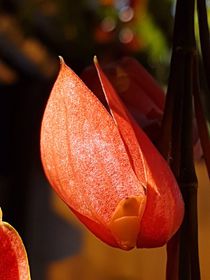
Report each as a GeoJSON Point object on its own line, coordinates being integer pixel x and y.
{"type": "Point", "coordinates": [204, 37]}
{"type": "Point", "coordinates": [202, 125]}
{"type": "Point", "coordinates": [205, 49]}
{"type": "Point", "coordinates": [189, 261]}
{"type": "Point", "coordinates": [177, 146]}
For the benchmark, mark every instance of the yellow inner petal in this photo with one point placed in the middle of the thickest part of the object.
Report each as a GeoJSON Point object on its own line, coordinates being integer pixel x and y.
{"type": "Point", "coordinates": [125, 221]}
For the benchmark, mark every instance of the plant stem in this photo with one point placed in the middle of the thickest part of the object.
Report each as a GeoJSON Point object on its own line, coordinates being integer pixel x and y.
{"type": "Point", "coordinates": [184, 35]}
{"type": "Point", "coordinates": [177, 146]}
{"type": "Point", "coordinates": [201, 121]}
{"type": "Point", "coordinates": [205, 49]}
{"type": "Point", "coordinates": [204, 37]}
{"type": "Point", "coordinates": [188, 183]}
{"type": "Point", "coordinates": [172, 268]}
{"type": "Point", "coordinates": [171, 148]}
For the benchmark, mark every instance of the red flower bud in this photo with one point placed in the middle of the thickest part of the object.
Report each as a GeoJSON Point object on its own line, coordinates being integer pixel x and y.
{"type": "Point", "coordinates": [105, 168]}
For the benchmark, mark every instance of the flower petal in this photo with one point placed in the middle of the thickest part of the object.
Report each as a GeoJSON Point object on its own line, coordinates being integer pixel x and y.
{"type": "Point", "coordinates": [83, 154]}
{"type": "Point", "coordinates": [13, 257]}
{"type": "Point", "coordinates": [164, 207]}
{"type": "Point", "coordinates": [139, 76]}
{"type": "Point", "coordinates": [123, 121]}
{"type": "Point", "coordinates": [143, 97]}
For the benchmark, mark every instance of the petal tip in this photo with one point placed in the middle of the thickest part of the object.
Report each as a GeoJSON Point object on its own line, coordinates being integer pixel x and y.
{"type": "Point", "coordinates": [61, 60]}
{"type": "Point", "coordinates": [95, 60]}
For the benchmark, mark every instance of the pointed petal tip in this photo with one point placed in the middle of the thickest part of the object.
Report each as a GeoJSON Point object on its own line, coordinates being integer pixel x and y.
{"type": "Point", "coordinates": [62, 62]}
{"type": "Point", "coordinates": [95, 60]}
{"type": "Point", "coordinates": [61, 59]}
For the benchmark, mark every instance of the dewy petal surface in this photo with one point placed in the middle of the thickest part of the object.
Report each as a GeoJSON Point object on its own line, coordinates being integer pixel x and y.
{"type": "Point", "coordinates": [83, 154]}
{"type": "Point", "coordinates": [164, 208]}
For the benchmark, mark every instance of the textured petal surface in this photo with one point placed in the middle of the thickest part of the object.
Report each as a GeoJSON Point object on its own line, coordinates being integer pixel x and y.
{"type": "Point", "coordinates": [125, 127]}
{"type": "Point", "coordinates": [164, 207]}
{"type": "Point", "coordinates": [142, 95]}
{"type": "Point", "coordinates": [83, 154]}
{"type": "Point", "coordinates": [13, 257]}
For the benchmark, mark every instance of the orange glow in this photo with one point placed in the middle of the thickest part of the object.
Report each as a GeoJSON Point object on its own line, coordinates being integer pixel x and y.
{"type": "Point", "coordinates": [105, 168]}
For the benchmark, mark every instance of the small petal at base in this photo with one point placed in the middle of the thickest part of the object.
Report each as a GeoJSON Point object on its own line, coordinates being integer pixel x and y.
{"type": "Point", "coordinates": [125, 222]}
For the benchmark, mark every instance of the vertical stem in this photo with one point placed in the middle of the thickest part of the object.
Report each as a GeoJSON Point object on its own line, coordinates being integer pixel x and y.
{"type": "Point", "coordinates": [172, 129]}
{"type": "Point", "coordinates": [188, 183]}
{"type": "Point", "coordinates": [177, 147]}
{"type": "Point", "coordinates": [201, 121]}
{"type": "Point", "coordinates": [172, 267]}
{"type": "Point", "coordinates": [193, 220]}
{"type": "Point", "coordinates": [184, 35]}
{"type": "Point", "coordinates": [184, 263]}
{"type": "Point", "coordinates": [204, 37]}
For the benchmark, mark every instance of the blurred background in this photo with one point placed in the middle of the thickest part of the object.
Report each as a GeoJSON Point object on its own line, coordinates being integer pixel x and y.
{"type": "Point", "coordinates": [32, 35]}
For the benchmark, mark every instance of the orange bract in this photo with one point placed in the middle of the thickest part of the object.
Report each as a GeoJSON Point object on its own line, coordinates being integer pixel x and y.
{"type": "Point", "coordinates": [13, 257]}
{"type": "Point", "coordinates": [100, 165]}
